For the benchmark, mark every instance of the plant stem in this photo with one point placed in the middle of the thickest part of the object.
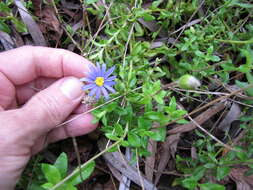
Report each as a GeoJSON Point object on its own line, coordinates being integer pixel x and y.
{"type": "Point", "coordinates": [236, 42]}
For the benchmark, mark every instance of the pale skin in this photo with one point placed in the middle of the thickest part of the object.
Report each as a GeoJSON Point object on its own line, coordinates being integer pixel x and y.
{"type": "Point", "coordinates": [39, 89]}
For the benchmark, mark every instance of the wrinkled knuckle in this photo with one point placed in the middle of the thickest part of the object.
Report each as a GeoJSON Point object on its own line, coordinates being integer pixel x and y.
{"type": "Point", "coordinates": [50, 108]}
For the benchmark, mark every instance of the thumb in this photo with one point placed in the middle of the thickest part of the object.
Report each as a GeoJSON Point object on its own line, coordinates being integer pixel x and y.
{"type": "Point", "coordinates": [51, 106]}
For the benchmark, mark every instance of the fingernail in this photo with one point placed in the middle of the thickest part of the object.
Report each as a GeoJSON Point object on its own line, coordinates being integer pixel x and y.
{"type": "Point", "coordinates": [71, 88]}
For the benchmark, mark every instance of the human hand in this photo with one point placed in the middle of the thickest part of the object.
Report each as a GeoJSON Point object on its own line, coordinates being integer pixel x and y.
{"type": "Point", "coordinates": [25, 130]}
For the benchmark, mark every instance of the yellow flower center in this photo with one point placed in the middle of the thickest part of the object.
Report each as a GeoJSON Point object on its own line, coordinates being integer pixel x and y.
{"type": "Point", "coordinates": [99, 81]}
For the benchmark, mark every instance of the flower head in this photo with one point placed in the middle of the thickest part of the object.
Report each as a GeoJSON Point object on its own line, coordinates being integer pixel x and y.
{"type": "Point", "coordinates": [99, 81]}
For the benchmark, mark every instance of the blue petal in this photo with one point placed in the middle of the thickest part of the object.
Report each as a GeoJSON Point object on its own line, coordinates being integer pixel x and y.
{"type": "Point", "coordinates": [103, 69]}
{"type": "Point", "coordinates": [99, 70]}
{"type": "Point", "coordinates": [109, 88]}
{"type": "Point", "coordinates": [92, 68]}
{"type": "Point", "coordinates": [106, 95]}
{"type": "Point", "coordinates": [109, 83]}
{"type": "Point", "coordinates": [93, 91]}
{"type": "Point", "coordinates": [98, 93]}
{"type": "Point", "coordinates": [92, 73]}
{"type": "Point", "coordinates": [86, 79]}
{"type": "Point", "coordinates": [111, 78]}
{"type": "Point", "coordinates": [88, 86]}
{"type": "Point", "coordinates": [109, 72]}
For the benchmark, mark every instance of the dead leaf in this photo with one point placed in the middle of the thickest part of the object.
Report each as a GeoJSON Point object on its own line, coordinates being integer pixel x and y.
{"type": "Point", "coordinates": [50, 21]}
{"type": "Point", "coordinates": [194, 153]}
{"type": "Point", "coordinates": [69, 5]}
{"type": "Point", "coordinates": [170, 145]}
{"type": "Point", "coordinates": [153, 27]}
{"type": "Point", "coordinates": [199, 119]}
{"type": "Point", "coordinates": [150, 161]}
{"type": "Point", "coordinates": [232, 115]}
{"type": "Point", "coordinates": [242, 182]}
{"type": "Point", "coordinates": [169, 149]}
{"type": "Point", "coordinates": [37, 7]}
{"type": "Point", "coordinates": [6, 41]}
{"type": "Point", "coordinates": [187, 25]}
{"type": "Point", "coordinates": [125, 182]}
{"type": "Point", "coordinates": [109, 185]}
{"type": "Point", "coordinates": [119, 162]}
{"type": "Point", "coordinates": [32, 26]}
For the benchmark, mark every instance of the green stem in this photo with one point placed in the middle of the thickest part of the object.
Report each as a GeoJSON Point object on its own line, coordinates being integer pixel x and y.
{"type": "Point", "coordinates": [236, 42]}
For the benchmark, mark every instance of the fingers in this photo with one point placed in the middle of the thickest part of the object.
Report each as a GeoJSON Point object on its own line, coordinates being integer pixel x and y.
{"type": "Point", "coordinates": [52, 106]}
{"type": "Point", "coordinates": [78, 127]}
{"type": "Point", "coordinates": [24, 64]}
{"type": "Point", "coordinates": [7, 91]}
{"type": "Point", "coordinates": [26, 91]}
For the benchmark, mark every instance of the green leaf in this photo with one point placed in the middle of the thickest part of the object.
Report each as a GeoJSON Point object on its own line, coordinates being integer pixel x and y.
{"type": "Point", "coordinates": [118, 129]}
{"type": "Point", "coordinates": [145, 100]}
{"type": "Point", "coordinates": [211, 186]}
{"type": "Point", "coordinates": [178, 113]}
{"type": "Point", "coordinates": [154, 116]}
{"type": "Point", "coordinates": [134, 140]}
{"type": "Point", "coordinates": [35, 186]}
{"type": "Point", "coordinates": [198, 173]}
{"type": "Point", "coordinates": [199, 53]}
{"type": "Point", "coordinates": [138, 29]}
{"type": "Point", "coordinates": [210, 50]}
{"type": "Point", "coordinates": [209, 165]}
{"type": "Point", "coordinates": [62, 164]}
{"type": "Point", "coordinates": [4, 27]}
{"type": "Point", "coordinates": [51, 173]}
{"type": "Point", "coordinates": [110, 107]}
{"type": "Point", "coordinates": [47, 185]}
{"type": "Point", "coordinates": [112, 136]}
{"type": "Point", "coordinates": [190, 183]}
{"type": "Point", "coordinates": [182, 121]}
{"type": "Point", "coordinates": [215, 58]}
{"type": "Point", "coordinates": [172, 106]}
{"type": "Point", "coordinates": [158, 134]}
{"type": "Point", "coordinates": [228, 66]}
{"type": "Point", "coordinates": [242, 5]}
{"type": "Point", "coordinates": [249, 77]}
{"type": "Point", "coordinates": [20, 26]}
{"type": "Point", "coordinates": [99, 114]}
{"type": "Point", "coordinates": [144, 123]}
{"type": "Point", "coordinates": [159, 97]}
{"type": "Point", "coordinates": [4, 8]}
{"type": "Point", "coordinates": [86, 172]}
{"type": "Point", "coordinates": [222, 172]}
{"type": "Point", "coordinates": [70, 187]}
{"type": "Point", "coordinates": [155, 4]}
{"type": "Point", "coordinates": [148, 17]}
{"type": "Point", "coordinates": [248, 172]}
{"type": "Point", "coordinates": [249, 91]}
{"type": "Point", "coordinates": [242, 155]}
{"type": "Point", "coordinates": [244, 68]}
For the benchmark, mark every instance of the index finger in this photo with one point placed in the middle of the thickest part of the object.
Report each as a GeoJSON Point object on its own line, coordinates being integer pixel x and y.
{"type": "Point", "coordinates": [25, 64]}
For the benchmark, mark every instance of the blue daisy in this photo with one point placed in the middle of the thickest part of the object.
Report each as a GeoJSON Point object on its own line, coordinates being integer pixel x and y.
{"type": "Point", "coordinates": [99, 81]}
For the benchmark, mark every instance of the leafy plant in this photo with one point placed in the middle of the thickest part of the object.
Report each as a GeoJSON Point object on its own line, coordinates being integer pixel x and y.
{"type": "Point", "coordinates": [58, 171]}
{"type": "Point", "coordinates": [7, 16]}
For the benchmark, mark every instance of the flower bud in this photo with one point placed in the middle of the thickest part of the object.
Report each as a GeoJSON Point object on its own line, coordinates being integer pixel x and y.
{"type": "Point", "coordinates": [188, 82]}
